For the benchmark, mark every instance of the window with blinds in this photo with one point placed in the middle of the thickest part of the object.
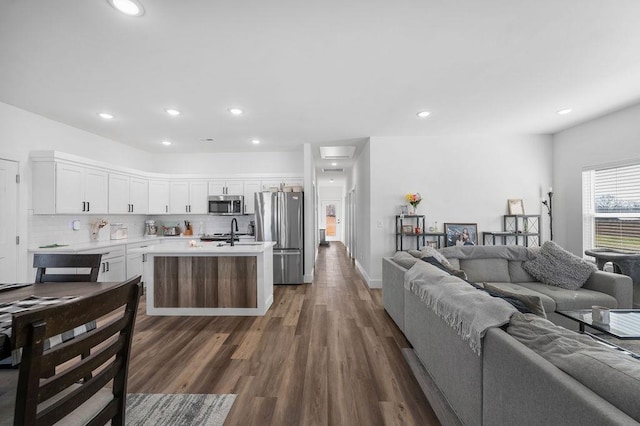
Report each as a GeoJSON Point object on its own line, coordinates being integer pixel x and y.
{"type": "Point", "coordinates": [611, 208]}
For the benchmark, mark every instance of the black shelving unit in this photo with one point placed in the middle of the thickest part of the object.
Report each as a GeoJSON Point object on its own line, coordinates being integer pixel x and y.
{"type": "Point", "coordinates": [415, 221]}
{"type": "Point", "coordinates": [518, 229]}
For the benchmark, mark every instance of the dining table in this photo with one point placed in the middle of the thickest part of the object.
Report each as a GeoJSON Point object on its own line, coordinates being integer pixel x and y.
{"type": "Point", "coordinates": [58, 290]}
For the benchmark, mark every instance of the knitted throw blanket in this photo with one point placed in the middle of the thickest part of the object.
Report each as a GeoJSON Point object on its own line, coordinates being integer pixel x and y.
{"type": "Point", "coordinates": [469, 311]}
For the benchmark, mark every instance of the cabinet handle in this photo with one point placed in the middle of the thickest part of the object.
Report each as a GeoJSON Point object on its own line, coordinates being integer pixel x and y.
{"type": "Point", "coordinates": [132, 208]}
{"type": "Point", "coordinates": [88, 206]}
{"type": "Point", "coordinates": [84, 206]}
{"type": "Point", "coordinates": [186, 208]}
{"type": "Point", "coordinates": [166, 209]}
{"type": "Point", "coordinates": [104, 267]}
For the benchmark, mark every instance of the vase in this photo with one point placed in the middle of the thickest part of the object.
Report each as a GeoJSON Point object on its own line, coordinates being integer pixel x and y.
{"type": "Point", "coordinates": [414, 210]}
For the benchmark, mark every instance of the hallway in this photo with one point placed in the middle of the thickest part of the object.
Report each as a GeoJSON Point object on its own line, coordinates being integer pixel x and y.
{"type": "Point", "coordinates": [325, 353]}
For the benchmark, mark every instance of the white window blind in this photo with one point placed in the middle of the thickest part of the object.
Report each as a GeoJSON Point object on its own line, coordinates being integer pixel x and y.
{"type": "Point", "coordinates": [611, 208]}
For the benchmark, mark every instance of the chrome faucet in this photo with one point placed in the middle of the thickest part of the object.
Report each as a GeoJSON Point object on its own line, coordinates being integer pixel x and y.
{"type": "Point", "coordinates": [234, 220]}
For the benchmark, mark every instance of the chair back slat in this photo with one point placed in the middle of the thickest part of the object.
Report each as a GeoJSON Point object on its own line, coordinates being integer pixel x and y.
{"type": "Point", "coordinates": [104, 358]}
{"type": "Point", "coordinates": [71, 349]}
{"type": "Point", "coordinates": [60, 382]}
{"type": "Point", "coordinates": [56, 260]}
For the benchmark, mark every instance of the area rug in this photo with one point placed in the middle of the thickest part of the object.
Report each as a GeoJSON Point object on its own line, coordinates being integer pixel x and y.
{"type": "Point", "coordinates": [177, 409]}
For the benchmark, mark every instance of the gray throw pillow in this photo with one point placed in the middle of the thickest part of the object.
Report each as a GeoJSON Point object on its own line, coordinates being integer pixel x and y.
{"type": "Point", "coordinates": [533, 303]}
{"type": "Point", "coordinates": [431, 252]}
{"type": "Point", "coordinates": [404, 259]}
{"type": "Point", "coordinates": [556, 266]}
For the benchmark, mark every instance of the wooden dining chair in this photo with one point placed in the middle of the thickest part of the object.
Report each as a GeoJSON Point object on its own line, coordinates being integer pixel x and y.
{"type": "Point", "coordinates": [77, 392]}
{"type": "Point", "coordinates": [57, 260]}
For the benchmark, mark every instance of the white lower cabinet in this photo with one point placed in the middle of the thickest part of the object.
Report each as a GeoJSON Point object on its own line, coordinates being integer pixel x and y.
{"type": "Point", "coordinates": [112, 264]}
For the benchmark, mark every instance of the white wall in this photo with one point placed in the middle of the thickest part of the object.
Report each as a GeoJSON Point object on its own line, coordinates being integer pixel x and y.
{"type": "Point", "coordinates": [608, 139]}
{"type": "Point", "coordinates": [461, 179]}
{"type": "Point", "coordinates": [360, 182]}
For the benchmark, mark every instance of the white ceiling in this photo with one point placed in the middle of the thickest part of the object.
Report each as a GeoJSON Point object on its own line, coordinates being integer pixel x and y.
{"type": "Point", "coordinates": [327, 72]}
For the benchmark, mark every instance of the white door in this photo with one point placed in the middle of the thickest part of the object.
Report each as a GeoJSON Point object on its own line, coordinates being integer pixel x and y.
{"type": "Point", "coordinates": [250, 189]}
{"type": "Point", "coordinates": [198, 197]}
{"type": "Point", "coordinates": [217, 187]}
{"type": "Point", "coordinates": [96, 191]}
{"type": "Point", "coordinates": [330, 217]}
{"type": "Point", "coordinates": [70, 189]}
{"type": "Point", "coordinates": [8, 221]}
{"type": "Point", "coordinates": [158, 196]}
{"type": "Point", "coordinates": [179, 198]}
{"type": "Point", "coordinates": [235, 187]}
{"type": "Point", "coordinates": [119, 193]}
{"type": "Point", "coordinates": [139, 195]}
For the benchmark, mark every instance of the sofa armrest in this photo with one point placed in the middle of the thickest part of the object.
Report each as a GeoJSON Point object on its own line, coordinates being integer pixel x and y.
{"type": "Point", "coordinates": [393, 290]}
{"type": "Point", "coordinates": [616, 285]}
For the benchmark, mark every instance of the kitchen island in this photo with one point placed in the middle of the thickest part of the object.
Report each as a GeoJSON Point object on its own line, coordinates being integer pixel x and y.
{"type": "Point", "coordinates": [209, 278]}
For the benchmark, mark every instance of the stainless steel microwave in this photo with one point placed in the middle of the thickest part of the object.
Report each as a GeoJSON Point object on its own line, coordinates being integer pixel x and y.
{"type": "Point", "coordinates": [226, 204]}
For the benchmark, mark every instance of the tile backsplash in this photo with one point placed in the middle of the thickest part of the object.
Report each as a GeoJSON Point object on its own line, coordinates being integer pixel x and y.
{"type": "Point", "coordinates": [50, 229]}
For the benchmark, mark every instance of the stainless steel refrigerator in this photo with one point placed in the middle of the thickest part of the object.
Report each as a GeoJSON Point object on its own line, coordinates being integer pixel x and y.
{"type": "Point", "coordinates": [280, 218]}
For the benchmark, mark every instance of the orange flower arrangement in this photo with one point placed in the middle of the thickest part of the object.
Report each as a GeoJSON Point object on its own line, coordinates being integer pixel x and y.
{"type": "Point", "coordinates": [414, 199]}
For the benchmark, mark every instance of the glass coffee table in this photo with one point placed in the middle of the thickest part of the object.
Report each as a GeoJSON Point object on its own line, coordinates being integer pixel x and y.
{"type": "Point", "coordinates": [624, 324]}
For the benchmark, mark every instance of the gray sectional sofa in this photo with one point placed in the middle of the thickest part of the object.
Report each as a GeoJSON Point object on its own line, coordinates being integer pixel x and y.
{"type": "Point", "coordinates": [509, 382]}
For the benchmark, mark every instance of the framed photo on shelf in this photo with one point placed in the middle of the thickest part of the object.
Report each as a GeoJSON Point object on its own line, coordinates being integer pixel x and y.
{"type": "Point", "coordinates": [404, 210]}
{"type": "Point", "coordinates": [516, 206]}
{"type": "Point", "coordinates": [407, 229]}
{"type": "Point", "coordinates": [461, 234]}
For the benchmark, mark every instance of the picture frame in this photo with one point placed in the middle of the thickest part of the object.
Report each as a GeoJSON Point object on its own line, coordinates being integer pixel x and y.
{"type": "Point", "coordinates": [404, 210]}
{"type": "Point", "coordinates": [407, 229]}
{"type": "Point", "coordinates": [516, 206]}
{"type": "Point", "coordinates": [461, 234]}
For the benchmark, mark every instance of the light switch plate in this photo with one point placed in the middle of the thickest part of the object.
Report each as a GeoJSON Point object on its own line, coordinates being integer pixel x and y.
{"type": "Point", "coordinates": [75, 225]}
{"type": "Point", "coordinates": [380, 223]}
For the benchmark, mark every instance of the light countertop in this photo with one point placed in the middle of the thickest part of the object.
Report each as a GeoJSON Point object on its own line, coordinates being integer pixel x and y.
{"type": "Point", "coordinates": [107, 244]}
{"type": "Point", "coordinates": [182, 248]}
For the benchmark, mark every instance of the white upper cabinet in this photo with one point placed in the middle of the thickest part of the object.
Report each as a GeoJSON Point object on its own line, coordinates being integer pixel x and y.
{"type": "Point", "coordinates": [250, 189]}
{"type": "Point", "coordinates": [226, 187]}
{"type": "Point", "coordinates": [139, 195]}
{"type": "Point", "coordinates": [159, 196]}
{"type": "Point", "coordinates": [79, 190]}
{"type": "Point", "coordinates": [279, 184]}
{"type": "Point", "coordinates": [188, 197]}
{"type": "Point", "coordinates": [128, 194]}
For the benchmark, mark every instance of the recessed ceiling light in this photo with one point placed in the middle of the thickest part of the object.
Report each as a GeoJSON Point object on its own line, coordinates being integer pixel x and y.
{"type": "Point", "coordinates": [128, 7]}
{"type": "Point", "coordinates": [423, 114]}
{"type": "Point", "coordinates": [236, 111]}
{"type": "Point", "coordinates": [334, 164]}
{"type": "Point", "coordinates": [564, 111]}
{"type": "Point", "coordinates": [173, 112]}
{"type": "Point", "coordinates": [166, 143]}
{"type": "Point", "coordinates": [106, 115]}
{"type": "Point", "coordinates": [255, 141]}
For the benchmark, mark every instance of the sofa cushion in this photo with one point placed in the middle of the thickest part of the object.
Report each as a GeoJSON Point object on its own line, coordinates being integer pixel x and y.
{"type": "Point", "coordinates": [548, 303]}
{"type": "Point", "coordinates": [567, 300]}
{"type": "Point", "coordinates": [612, 374]}
{"type": "Point", "coordinates": [480, 270]}
{"type": "Point", "coordinates": [404, 259]}
{"type": "Point", "coordinates": [517, 272]}
{"type": "Point", "coordinates": [532, 302]}
{"type": "Point", "coordinates": [556, 266]}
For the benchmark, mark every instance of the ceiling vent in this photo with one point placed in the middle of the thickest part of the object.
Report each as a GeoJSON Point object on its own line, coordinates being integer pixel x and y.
{"type": "Point", "coordinates": [337, 152]}
{"type": "Point", "coordinates": [335, 170]}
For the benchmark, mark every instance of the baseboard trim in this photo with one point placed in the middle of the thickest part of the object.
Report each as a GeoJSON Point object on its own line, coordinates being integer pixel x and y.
{"type": "Point", "coordinates": [438, 402]}
{"type": "Point", "coordinates": [371, 283]}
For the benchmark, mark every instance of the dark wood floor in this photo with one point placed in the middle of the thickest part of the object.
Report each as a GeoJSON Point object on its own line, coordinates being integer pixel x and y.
{"type": "Point", "coordinates": [325, 353]}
